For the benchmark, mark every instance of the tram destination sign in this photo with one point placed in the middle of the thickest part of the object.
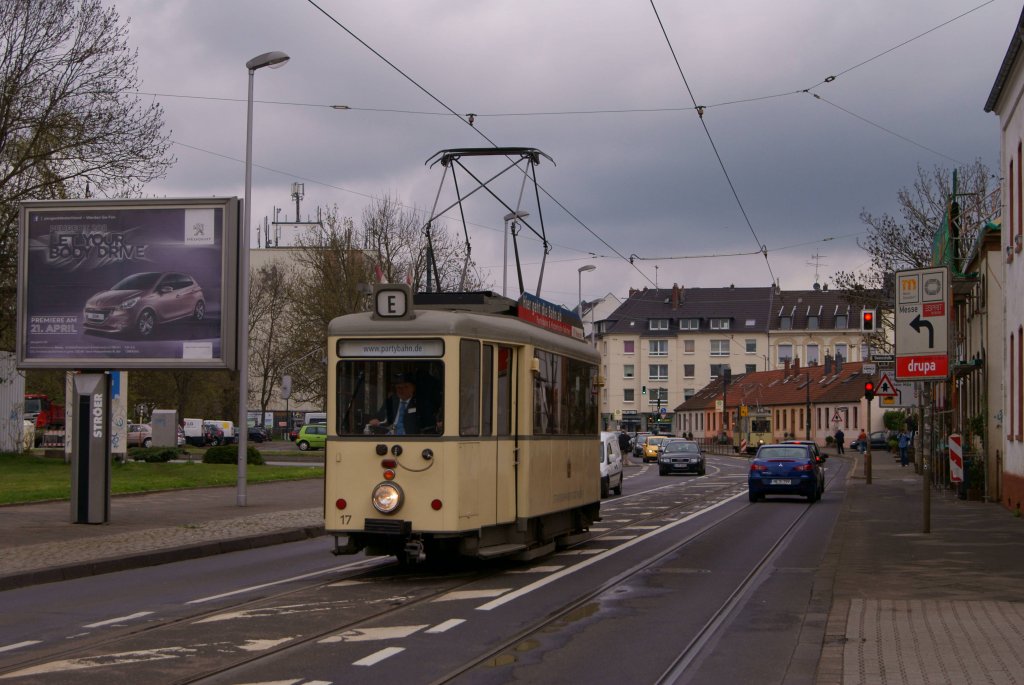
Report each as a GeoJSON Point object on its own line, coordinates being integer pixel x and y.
{"type": "Point", "coordinates": [922, 324]}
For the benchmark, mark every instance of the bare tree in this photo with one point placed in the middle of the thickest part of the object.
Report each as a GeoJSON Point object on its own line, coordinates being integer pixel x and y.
{"type": "Point", "coordinates": [68, 123]}
{"type": "Point", "coordinates": [905, 242]}
{"type": "Point", "coordinates": [268, 351]}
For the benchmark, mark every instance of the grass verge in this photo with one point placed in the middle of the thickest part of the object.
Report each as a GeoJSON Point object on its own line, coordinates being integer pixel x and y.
{"type": "Point", "coordinates": [28, 478]}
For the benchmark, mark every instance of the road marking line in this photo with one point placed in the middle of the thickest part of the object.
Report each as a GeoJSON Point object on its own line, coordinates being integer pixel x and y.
{"type": "Point", "coordinates": [537, 569]}
{"type": "Point", "coordinates": [121, 619]}
{"type": "Point", "coordinates": [371, 634]}
{"type": "Point", "coordinates": [472, 594]}
{"type": "Point", "coordinates": [579, 552]}
{"type": "Point", "coordinates": [615, 537]}
{"type": "Point", "coordinates": [446, 626]}
{"type": "Point", "coordinates": [377, 657]}
{"type": "Point", "coordinates": [348, 567]}
{"type": "Point", "coordinates": [19, 645]}
{"type": "Point", "coordinates": [536, 585]}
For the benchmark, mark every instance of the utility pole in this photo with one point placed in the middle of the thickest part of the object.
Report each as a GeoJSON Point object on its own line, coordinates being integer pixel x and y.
{"type": "Point", "coordinates": [807, 423]}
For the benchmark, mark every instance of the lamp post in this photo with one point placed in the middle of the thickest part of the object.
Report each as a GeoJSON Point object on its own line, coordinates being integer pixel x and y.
{"type": "Point", "coordinates": [511, 216]}
{"type": "Point", "coordinates": [273, 60]}
{"type": "Point", "coordinates": [579, 292]}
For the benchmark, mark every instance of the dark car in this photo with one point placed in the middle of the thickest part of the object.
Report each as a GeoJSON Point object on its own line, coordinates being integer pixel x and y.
{"type": "Point", "coordinates": [139, 303]}
{"type": "Point", "coordinates": [879, 440]}
{"type": "Point", "coordinates": [258, 434]}
{"type": "Point", "coordinates": [818, 454]}
{"type": "Point", "coordinates": [680, 456]}
{"type": "Point", "coordinates": [785, 470]}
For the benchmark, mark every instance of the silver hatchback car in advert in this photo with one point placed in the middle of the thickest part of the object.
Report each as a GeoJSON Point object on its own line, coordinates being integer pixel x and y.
{"type": "Point", "coordinates": [140, 302]}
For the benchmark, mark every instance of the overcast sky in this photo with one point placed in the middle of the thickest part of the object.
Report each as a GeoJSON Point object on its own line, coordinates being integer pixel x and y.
{"type": "Point", "coordinates": [593, 84]}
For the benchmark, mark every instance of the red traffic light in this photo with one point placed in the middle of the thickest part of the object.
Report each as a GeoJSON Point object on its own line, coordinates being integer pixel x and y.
{"type": "Point", "coordinates": [869, 390]}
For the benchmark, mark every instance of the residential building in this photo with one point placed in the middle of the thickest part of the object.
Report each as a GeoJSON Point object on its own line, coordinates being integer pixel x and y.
{"type": "Point", "coordinates": [1006, 100]}
{"type": "Point", "coordinates": [802, 402]}
{"type": "Point", "coordinates": [596, 310]}
{"type": "Point", "coordinates": [663, 345]}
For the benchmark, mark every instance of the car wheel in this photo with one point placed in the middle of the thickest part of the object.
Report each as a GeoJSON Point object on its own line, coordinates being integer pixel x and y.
{"type": "Point", "coordinates": [303, 445]}
{"type": "Point", "coordinates": [604, 487]}
{"type": "Point", "coordinates": [752, 496]}
{"type": "Point", "coordinates": [618, 490]}
{"type": "Point", "coordinates": [146, 323]}
{"type": "Point", "coordinates": [200, 311]}
{"type": "Point", "coordinates": [148, 442]}
{"type": "Point", "coordinates": [702, 471]}
{"type": "Point", "coordinates": [216, 442]}
{"type": "Point", "coordinates": [662, 472]}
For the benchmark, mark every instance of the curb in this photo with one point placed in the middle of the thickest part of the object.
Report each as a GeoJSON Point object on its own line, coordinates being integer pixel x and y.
{"type": "Point", "coordinates": [156, 557]}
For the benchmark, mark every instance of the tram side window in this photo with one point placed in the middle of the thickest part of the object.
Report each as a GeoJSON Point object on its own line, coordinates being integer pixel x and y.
{"type": "Point", "coordinates": [505, 386]}
{"type": "Point", "coordinates": [370, 393]}
{"type": "Point", "coordinates": [487, 391]}
{"type": "Point", "coordinates": [564, 401]}
{"type": "Point", "coordinates": [469, 387]}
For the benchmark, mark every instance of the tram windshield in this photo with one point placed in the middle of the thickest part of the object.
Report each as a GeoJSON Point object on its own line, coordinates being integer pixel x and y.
{"type": "Point", "coordinates": [398, 397]}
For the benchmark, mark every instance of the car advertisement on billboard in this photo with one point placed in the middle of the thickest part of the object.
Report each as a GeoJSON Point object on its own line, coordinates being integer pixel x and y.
{"type": "Point", "coordinates": [128, 284]}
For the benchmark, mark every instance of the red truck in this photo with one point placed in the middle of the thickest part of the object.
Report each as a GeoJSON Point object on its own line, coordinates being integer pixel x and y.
{"type": "Point", "coordinates": [46, 414]}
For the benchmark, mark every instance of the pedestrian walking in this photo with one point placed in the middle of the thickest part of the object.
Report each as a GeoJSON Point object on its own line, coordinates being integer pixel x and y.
{"type": "Point", "coordinates": [862, 441]}
{"type": "Point", "coordinates": [904, 445]}
{"type": "Point", "coordinates": [840, 439]}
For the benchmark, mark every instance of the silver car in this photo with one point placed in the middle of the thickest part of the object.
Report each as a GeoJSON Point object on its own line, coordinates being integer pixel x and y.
{"type": "Point", "coordinates": [141, 302]}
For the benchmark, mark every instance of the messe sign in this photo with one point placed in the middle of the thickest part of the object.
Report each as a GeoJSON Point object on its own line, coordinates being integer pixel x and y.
{"type": "Point", "coordinates": [922, 324]}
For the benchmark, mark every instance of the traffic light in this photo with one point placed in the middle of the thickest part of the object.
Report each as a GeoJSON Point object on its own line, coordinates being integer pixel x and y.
{"type": "Point", "coordinates": [867, 320]}
{"type": "Point", "coordinates": [869, 391]}
{"type": "Point", "coordinates": [643, 389]}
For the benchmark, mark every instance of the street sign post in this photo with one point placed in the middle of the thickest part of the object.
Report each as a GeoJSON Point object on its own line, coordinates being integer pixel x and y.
{"type": "Point", "coordinates": [922, 324]}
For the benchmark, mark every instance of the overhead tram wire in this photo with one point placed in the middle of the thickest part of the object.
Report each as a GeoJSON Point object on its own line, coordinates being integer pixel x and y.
{"type": "Point", "coordinates": [711, 140]}
{"type": "Point", "coordinates": [465, 119]}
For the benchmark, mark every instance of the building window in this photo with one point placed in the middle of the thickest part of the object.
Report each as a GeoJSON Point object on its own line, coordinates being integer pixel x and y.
{"type": "Point", "coordinates": [785, 322]}
{"type": "Point", "coordinates": [689, 324]}
{"type": "Point", "coordinates": [842, 321]}
{"type": "Point", "coordinates": [628, 395]}
{"type": "Point", "coordinates": [785, 353]}
{"type": "Point", "coordinates": [719, 348]}
{"type": "Point", "coordinates": [719, 324]}
{"type": "Point", "coordinates": [750, 368]}
{"type": "Point", "coordinates": [688, 370]}
{"type": "Point", "coordinates": [842, 351]}
{"type": "Point", "coordinates": [657, 348]}
{"type": "Point", "coordinates": [688, 347]}
{"type": "Point", "coordinates": [628, 371]}
{"type": "Point", "coordinates": [812, 323]}
{"type": "Point", "coordinates": [628, 347]}
{"type": "Point", "coordinates": [812, 354]}
{"type": "Point", "coordinates": [688, 393]}
{"type": "Point", "coordinates": [658, 324]}
{"type": "Point", "coordinates": [751, 323]}
{"type": "Point", "coordinates": [659, 396]}
{"type": "Point", "coordinates": [751, 345]}
{"type": "Point", "coordinates": [717, 369]}
{"type": "Point", "coordinates": [657, 372]}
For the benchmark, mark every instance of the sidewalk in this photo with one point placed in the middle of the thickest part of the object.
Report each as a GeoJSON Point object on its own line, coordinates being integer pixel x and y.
{"type": "Point", "coordinates": [39, 544]}
{"type": "Point", "coordinates": [914, 607]}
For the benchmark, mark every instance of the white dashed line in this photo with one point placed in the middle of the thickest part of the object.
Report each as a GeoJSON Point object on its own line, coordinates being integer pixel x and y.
{"type": "Point", "coordinates": [378, 657]}
{"type": "Point", "coordinates": [445, 626]}
{"type": "Point", "coordinates": [19, 645]}
{"type": "Point", "coordinates": [472, 594]}
{"type": "Point", "coordinates": [120, 619]}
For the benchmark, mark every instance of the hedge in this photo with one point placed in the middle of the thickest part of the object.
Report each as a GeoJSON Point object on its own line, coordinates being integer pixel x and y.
{"type": "Point", "coordinates": [228, 454]}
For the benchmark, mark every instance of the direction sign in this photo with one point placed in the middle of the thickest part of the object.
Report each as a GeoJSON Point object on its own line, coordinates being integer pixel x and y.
{"type": "Point", "coordinates": [869, 369]}
{"type": "Point", "coordinates": [922, 324]}
{"type": "Point", "coordinates": [883, 359]}
{"type": "Point", "coordinates": [885, 387]}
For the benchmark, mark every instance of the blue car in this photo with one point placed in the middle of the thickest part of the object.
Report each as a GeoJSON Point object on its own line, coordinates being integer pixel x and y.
{"type": "Point", "coordinates": [785, 470]}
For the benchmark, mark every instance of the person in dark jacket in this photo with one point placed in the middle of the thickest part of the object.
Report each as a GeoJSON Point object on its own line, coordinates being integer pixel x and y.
{"type": "Point", "coordinates": [403, 413]}
{"type": "Point", "coordinates": [840, 439]}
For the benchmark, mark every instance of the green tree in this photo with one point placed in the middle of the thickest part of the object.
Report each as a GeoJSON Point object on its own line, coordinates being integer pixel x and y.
{"type": "Point", "coordinates": [69, 124]}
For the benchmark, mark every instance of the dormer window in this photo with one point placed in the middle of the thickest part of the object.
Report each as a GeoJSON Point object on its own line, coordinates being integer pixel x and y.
{"type": "Point", "coordinates": [813, 323]}
{"type": "Point", "coordinates": [842, 321]}
{"type": "Point", "coordinates": [786, 322]}
{"type": "Point", "coordinates": [719, 324]}
{"type": "Point", "coordinates": [658, 324]}
{"type": "Point", "coordinates": [689, 324]}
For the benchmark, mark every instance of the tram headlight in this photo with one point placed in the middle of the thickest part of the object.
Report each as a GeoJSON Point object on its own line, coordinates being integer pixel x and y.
{"type": "Point", "coordinates": [387, 497]}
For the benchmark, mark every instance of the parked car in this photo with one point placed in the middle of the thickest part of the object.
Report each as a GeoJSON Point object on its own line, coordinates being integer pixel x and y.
{"type": "Point", "coordinates": [312, 437]}
{"type": "Point", "coordinates": [879, 440]}
{"type": "Point", "coordinates": [785, 470]}
{"type": "Point", "coordinates": [258, 434]}
{"type": "Point", "coordinates": [681, 456]}
{"type": "Point", "coordinates": [140, 435]}
{"type": "Point", "coordinates": [611, 464]}
{"type": "Point", "coordinates": [142, 301]}
{"type": "Point", "coordinates": [818, 454]}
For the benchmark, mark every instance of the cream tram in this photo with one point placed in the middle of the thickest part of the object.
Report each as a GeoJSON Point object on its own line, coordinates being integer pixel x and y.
{"type": "Point", "coordinates": [459, 424]}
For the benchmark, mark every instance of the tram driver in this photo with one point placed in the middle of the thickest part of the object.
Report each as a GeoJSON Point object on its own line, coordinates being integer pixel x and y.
{"type": "Point", "coordinates": [403, 412]}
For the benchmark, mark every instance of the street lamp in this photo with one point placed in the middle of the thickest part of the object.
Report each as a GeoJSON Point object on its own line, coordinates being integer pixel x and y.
{"type": "Point", "coordinates": [579, 292]}
{"type": "Point", "coordinates": [273, 60]}
{"type": "Point", "coordinates": [511, 216]}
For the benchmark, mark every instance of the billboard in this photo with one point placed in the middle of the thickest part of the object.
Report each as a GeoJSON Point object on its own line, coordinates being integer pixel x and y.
{"type": "Point", "coordinates": [115, 284]}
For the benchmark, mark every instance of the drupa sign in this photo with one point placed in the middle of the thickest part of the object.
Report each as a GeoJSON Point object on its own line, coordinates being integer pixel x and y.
{"type": "Point", "coordinates": [922, 324]}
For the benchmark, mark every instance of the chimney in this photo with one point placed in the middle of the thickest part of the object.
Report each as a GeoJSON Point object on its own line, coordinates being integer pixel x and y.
{"type": "Point", "coordinates": [787, 365]}
{"type": "Point", "coordinates": [675, 296]}
{"type": "Point", "coordinates": [828, 363]}
{"type": "Point", "coordinates": [796, 364]}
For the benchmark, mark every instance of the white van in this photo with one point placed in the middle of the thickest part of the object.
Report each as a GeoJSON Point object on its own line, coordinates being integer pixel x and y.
{"type": "Point", "coordinates": [194, 434]}
{"type": "Point", "coordinates": [611, 464]}
{"type": "Point", "coordinates": [316, 417]}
